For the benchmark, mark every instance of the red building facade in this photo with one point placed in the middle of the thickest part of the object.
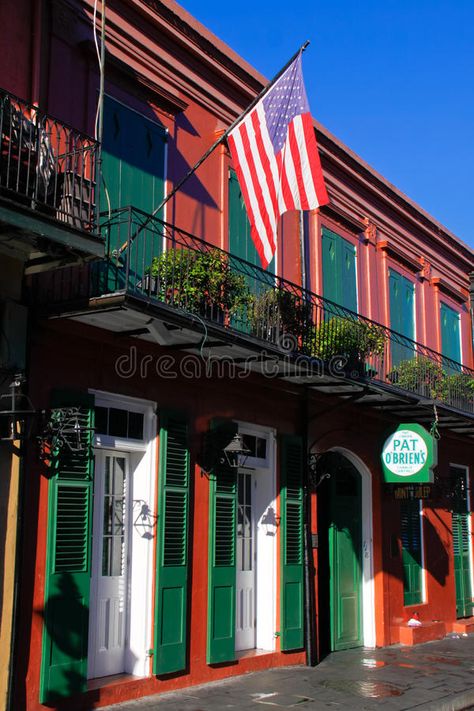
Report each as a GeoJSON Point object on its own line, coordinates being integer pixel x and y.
{"type": "Point", "coordinates": [149, 562]}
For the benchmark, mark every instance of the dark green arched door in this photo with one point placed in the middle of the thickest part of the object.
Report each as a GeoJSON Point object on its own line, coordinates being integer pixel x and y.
{"type": "Point", "coordinates": [345, 554]}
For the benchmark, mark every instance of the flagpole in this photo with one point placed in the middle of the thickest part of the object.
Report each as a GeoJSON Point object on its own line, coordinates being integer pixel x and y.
{"type": "Point", "coordinates": [192, 170]}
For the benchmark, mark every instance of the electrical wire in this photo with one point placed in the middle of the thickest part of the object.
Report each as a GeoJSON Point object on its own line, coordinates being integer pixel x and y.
{"type": "Point", "coordinates": [100, 107]}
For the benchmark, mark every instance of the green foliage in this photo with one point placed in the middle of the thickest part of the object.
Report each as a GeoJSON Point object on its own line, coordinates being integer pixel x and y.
{"type": "Point", "coordinates": [198, 280]}
{"type": "Point", "coordinates": [354, 340]}
{"type": "Point", "coordinates": [420, 375]}
{"type": "Point", "coordinates": [280, 310]}
{"type": "Point", "coordinates": [428, 378]}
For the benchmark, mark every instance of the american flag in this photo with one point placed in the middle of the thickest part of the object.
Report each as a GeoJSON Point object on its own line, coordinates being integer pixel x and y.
{"type": "Point", "coordinates": [276, 159]}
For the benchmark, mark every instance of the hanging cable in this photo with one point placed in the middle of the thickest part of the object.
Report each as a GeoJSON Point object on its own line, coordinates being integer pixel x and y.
{"type": "Point", "coordinates": [99, 115]}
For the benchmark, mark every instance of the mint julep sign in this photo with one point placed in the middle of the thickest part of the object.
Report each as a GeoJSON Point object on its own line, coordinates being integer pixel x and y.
{"type": "Point", "coordinates": [409, 455]}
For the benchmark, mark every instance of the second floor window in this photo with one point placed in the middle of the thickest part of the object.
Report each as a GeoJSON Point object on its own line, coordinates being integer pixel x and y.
{"type": "Point", "coordinates": [402, 316]}
{"type": "Point", "coordinates": [339, 270]}
{"type": "Point", "coordinates": [450, 333]}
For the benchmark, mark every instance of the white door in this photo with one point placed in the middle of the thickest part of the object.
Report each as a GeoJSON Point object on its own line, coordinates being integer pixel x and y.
{"type": "Point", "coordinates": [109, 598]}
{"type": "Point", "coordinates": [246, 561]}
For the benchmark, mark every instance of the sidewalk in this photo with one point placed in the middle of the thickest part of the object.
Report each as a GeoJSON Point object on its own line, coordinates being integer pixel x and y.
{"type": "Point", "coordinates": [436, 675]}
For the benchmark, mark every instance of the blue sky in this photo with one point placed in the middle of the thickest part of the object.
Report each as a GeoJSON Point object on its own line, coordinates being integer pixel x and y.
{"type": "Point", "coordinates": [393, 79]}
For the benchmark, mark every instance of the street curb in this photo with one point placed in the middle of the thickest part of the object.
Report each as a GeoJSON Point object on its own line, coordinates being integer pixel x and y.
{"type": "Point", "coordinates": [454, 703]}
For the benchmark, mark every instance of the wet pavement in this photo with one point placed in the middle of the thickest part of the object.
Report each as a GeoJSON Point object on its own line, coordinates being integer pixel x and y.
{"type": "Point", "coordinates": [434, 676]}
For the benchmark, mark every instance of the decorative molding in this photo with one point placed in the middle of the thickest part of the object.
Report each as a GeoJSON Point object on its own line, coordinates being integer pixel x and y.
{"type": "Point", "coordinates": [449, 290]}
{"type": "Point", "coordinates": [370, 233]}
{"type": "Point", "coordinates": [411, 263]}
{"type": "Point", "coordinates": [425, 273]}
{"type": "Point", "coordinates": [335, 213]}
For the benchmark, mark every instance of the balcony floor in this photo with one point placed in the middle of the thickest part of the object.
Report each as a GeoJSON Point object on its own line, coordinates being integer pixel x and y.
{"type": "Point", "coordinates": [41, 240]}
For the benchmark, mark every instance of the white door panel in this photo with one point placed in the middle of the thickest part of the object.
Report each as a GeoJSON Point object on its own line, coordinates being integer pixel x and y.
{"type": "Point", "coordinates": [109, 590]}
{"type": "Point", "coordinates": [246, 563]}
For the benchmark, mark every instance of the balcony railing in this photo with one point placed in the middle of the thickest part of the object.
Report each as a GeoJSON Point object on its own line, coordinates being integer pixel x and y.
{"type": "Point", "coordinates": [46, 165]}
{"type": "Point", "coordinates": [153, 260]}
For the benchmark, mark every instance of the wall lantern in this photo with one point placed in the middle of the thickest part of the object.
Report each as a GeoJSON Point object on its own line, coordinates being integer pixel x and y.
{"type": "Point", "coordinates": [15, 408]}
{"type": "Point", "coordinates": [236, 453]}
{"type": "Point", "coordinates": [64, 429]}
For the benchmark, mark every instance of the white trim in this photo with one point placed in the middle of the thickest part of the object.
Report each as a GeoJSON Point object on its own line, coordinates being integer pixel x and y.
{"type": "Point", "coordinates": [266, 571]}
{"type": "Point", "coordinates": [368, 587]}
{"type": "Point", "coordinates": [142, 547]}
{"type": "Point", "coordinates": [423, 561]}
{"type": "Point", "coordinates": [263, 433]}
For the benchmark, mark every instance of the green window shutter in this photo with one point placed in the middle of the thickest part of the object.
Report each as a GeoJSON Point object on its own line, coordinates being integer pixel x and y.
{"type": "Point", "coordinates": [339, 270]}
{"type": "Point", "coordinates": [291, 503]}
{"type": "Point", "coordinates": [349, 285]}
{"type": "Point", "coordinates": [450, 337]}
{"type": "Point", "coordinates": [68, 559]}
{"type": "Point", "coordinates": [461, 542]}
{"type": "Point", "coordinates": [402, 293]}
{"type": "Point", "coordinates": [222, 563]}
{"type": "Point", "coordinates": [411, 537]}
{"type": "Point", "coordinates": [240, 242]}
{"type": "Point", "coordinates": [133, 166]}
{"type": "Point", "coordinates": [331, 282]}
{"type": "Point", "coordinates": [172, 546]}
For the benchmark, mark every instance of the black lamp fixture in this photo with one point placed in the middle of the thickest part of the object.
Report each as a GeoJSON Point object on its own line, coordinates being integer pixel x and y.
{"type": "Point", "coordinates": [236, 453]}
{"type": "Point", "coordinates": [64, 429]}
{"type": "Point", "coordinates": [15, 409]}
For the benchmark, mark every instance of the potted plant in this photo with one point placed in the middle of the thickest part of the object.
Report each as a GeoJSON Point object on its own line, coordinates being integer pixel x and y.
{"type": "Point", "coordinates": [278, 313]}
{"type": "Point", "coordinates": [200, 282]}
{"type": "Point", "coordinates": [354, 340]}
{"type": "Point", "coordinates": [420, 375]}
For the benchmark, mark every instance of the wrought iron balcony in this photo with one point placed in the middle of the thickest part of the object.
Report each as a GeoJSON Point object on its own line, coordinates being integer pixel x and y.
{"type": "Point", "coordinates": [47, 169]}
{"type": "Point", "coordinates": [157, 264]}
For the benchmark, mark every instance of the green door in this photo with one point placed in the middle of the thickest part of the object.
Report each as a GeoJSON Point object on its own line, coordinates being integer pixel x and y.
{"type": "Point", "coordinates": [461, 543]}
{"type": "Point", "coordinates": [345, 559]}
{"type": "Point", "coordinates": [402, 320]}
{"type": "Point", "coordinates": [133, 166]}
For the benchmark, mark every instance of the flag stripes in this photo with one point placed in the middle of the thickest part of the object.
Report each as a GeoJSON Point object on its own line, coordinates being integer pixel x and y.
{"type": "Point", "coordinates": [276, 159]}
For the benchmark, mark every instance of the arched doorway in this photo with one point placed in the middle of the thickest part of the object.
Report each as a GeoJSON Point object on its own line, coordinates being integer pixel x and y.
{"type": "Point", "coordinates": [345, 580]}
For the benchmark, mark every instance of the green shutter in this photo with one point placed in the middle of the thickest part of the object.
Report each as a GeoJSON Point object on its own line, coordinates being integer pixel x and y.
{"type": "Point", "coordinates": [411, 537]}
{"type": "Point", "coordinates": [461, 542]}
{"type": "Point", "coordinates": [348, 265]}
{"type": "Point", "coordinates": [240, 242]}
{"type": "Point", "coordinates": [450, 338]}
{"type": "Point", "coordinates": [68, 560]}
{"type": "Point", "coordinates": [133, 166]}
{"type": "Point", "coordinates": [172, 547]}
{"type": "Point", "coordinates": [402, 321]}
{"type": "Point", "coordinates": [292, 543]}
{"type": "Point", "coordinates": [339, 270]}
{"type": "Point", "coordinates": [222, 564]}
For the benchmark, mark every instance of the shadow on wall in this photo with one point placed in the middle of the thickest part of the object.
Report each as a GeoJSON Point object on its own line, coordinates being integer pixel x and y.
{"type": "Point", "coordinates": [436, 555]}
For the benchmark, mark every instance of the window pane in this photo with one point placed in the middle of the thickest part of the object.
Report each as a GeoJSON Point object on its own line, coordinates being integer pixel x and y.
{"type": "Point", "coordinates": [101, 417]}
{"type": "Point", "coordinates": [118, 422]}
{"type": "Point", "coordinates": [135, 425]}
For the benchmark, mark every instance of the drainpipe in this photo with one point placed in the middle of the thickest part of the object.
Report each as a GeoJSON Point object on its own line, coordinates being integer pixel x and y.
{"type": "Point", "coordinates": [309, 571]}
